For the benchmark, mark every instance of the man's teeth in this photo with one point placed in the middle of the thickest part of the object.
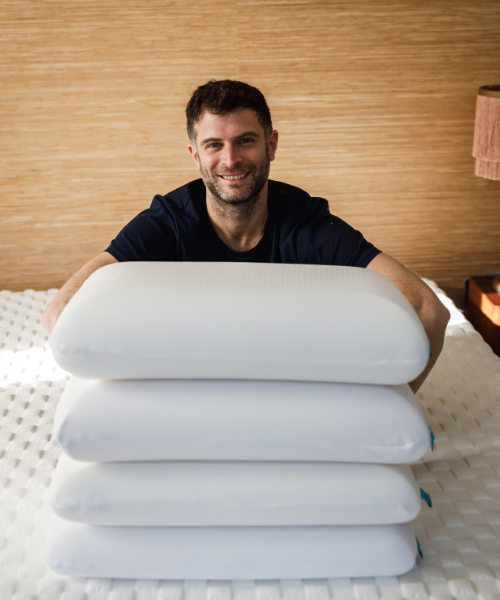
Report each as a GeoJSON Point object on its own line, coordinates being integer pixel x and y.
{"type": "Point", "coordinates": [233, 176]}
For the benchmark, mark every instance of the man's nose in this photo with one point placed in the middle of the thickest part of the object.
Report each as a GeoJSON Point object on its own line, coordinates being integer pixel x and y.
{"type": "Point", "coordinates": [232, 156]}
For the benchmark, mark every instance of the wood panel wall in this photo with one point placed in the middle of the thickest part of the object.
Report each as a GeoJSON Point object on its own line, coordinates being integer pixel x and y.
{"type": "Point", "coordinates": [374, 102]}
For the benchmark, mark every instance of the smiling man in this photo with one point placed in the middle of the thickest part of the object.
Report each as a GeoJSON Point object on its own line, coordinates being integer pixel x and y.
{"type": "Point", "coordinates": [236, 213]}
{"type": "Point", "coordinates": [234, 153]}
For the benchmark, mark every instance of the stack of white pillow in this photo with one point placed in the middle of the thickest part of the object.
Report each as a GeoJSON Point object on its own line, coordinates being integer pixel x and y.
{"type": "Point", "coordinates": [236, 421]}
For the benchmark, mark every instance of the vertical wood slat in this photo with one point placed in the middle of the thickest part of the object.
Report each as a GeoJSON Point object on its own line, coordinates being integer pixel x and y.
{"type": "Point", "coordinates": [374, 103]}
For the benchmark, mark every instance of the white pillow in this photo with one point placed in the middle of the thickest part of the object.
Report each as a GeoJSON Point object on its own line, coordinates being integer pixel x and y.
{"type": "Point", "coordinates": [229, 552]}
{"type": "Point", "coordinates": [239, 420]}
{"type": "Point", "coordinates": [233, 493]}
{"type": "Point", "coordinates": [240, 321]}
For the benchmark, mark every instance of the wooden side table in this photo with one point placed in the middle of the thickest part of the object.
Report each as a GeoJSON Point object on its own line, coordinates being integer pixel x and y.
{"type": "Point", "coordinates": [483, 310]}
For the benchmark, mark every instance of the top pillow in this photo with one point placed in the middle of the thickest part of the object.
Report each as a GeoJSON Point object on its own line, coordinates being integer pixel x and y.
{"type": "Point", "coordinates": [187, 320]}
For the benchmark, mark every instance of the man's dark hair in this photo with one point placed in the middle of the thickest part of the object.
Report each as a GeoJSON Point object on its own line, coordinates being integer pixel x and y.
{"type": "Point", "coordinates": [225, 96]}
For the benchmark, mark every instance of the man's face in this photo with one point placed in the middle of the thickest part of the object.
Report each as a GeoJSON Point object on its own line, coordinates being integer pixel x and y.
{"type": "Point", "coordinates": [233, 155]}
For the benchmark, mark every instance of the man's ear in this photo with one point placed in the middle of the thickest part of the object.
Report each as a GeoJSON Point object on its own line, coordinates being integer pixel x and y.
{"type": "Point", "coordinates": [273, 144]}
{"type": "Point", "coordinates": [194, 153]}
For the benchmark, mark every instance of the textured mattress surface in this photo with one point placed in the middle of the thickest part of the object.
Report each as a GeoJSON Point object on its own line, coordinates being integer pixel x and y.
{"type": "Point", "coordinates": [459, 536]}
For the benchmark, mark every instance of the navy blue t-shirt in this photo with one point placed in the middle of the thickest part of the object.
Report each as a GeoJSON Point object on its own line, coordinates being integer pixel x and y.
{"type": "Point", "coordinates": [299, 229]}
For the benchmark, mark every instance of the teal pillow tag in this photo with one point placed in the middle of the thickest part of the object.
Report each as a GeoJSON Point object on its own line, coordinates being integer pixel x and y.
{"type": "Point", "coordinates": [425, 496]}
{"type": "Point", "coordinates": [420, 553]}
{"type": "Point", "coordinates": [433, 437]}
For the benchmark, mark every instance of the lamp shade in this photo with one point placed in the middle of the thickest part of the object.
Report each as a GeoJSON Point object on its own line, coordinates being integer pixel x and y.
{"type": "Point", "coordinates": [486, 148]}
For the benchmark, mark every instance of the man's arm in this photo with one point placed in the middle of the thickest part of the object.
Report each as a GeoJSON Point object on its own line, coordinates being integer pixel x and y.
{"type": "Point", "coordinates": [430, 310]}
{"type": "Point", "coordinates": [69, 289]}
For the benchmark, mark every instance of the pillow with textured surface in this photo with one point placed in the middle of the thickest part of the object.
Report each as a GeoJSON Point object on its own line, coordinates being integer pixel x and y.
{"type": "Point", "coordinates": [233, 493]}
{"type": "Point", "coordinates": [100, 420]}
{"type": "Point", "coordinates": [240, 321]}
{"type": "Point", "coordinates": [229, 552]}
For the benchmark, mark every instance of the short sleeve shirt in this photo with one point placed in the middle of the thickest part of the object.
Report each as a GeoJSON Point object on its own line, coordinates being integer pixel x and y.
{"type": "Point", "coordinates": [299, 229]}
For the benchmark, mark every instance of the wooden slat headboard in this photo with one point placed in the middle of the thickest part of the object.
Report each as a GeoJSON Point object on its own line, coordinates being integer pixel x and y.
{"type": "Point", "coordinates": [374, 103]}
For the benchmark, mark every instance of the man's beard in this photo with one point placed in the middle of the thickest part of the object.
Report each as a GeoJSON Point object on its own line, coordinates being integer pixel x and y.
{"type": "Point", "coordinates": [237, 206]}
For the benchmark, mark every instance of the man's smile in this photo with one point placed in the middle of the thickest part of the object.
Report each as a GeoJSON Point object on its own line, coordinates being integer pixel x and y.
{"type": "Point", "coordinates": [234, 177]}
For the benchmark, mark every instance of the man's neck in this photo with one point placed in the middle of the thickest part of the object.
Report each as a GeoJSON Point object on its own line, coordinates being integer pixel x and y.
{"type": "Point", "coordinates": [240, 227]}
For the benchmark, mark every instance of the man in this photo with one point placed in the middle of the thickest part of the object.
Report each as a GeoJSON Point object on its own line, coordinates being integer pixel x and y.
{"type": "Point", "coordinates": [235, 213]}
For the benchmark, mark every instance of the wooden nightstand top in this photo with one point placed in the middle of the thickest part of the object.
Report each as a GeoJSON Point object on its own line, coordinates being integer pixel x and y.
{"type": "Point", "coordinates": [485, 298]}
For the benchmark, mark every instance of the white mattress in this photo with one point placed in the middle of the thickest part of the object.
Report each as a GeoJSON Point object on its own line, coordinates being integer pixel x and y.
{"type": "Point", "coordinates": [459, 536]}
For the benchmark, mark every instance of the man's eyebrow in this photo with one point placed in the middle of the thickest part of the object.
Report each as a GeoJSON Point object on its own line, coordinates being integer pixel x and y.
{"type": "Point", "coordinates": [241, 135]}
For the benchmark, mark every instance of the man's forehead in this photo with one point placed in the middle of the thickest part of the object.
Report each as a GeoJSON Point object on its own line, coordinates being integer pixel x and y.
{"type": "Point", "coordinates": [240, 120]}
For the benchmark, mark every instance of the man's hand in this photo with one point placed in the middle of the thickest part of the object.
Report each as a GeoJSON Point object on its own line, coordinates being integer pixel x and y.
{"type": "Point", "coordinates": [69, 289]}
{"type": "Point", "coordinates": [430, 310]}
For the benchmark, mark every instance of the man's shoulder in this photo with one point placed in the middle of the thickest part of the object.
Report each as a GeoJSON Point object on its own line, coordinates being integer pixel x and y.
{"type": "Point", "coordinates": [182, 197]}
{"type": "Point", "coordinates": [294, 198]}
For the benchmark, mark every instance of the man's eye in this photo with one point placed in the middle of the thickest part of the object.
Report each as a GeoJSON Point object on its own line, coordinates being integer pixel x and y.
{"type": "Point", "coordinates": [213, 145]}
{"type": "Point", "coordinates": [246, 140]}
